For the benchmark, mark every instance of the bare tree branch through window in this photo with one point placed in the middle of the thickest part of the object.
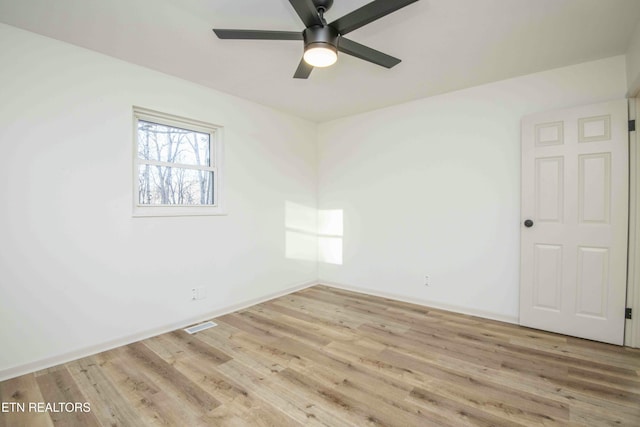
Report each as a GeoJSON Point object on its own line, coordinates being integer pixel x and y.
{"type": "Point", "coordinates": [174, 165]}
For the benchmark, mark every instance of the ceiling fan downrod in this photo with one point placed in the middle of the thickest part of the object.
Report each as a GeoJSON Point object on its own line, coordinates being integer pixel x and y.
{"type": "Point", "coordinates": [322, 6]}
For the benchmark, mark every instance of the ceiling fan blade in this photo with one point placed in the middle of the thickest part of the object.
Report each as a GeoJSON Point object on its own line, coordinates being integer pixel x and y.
{"type": "Point", "coordinates": [303, 70]}
{"type": "Point", "coordinates": [257, 35]}
{"type": "Point", "coordinates": [368, 13]}
{"type": "Point", "coordinates": [363, 52]}
{"type": "Point", "coordinates": [307, 12]}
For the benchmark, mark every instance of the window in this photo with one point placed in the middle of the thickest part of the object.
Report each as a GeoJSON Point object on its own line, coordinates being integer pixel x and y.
{"type": "Point", "coordinates": [177, 165]}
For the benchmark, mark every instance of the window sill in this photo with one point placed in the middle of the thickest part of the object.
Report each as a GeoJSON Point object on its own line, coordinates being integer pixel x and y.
{"type": "Point", "coordinates": [169, 211]}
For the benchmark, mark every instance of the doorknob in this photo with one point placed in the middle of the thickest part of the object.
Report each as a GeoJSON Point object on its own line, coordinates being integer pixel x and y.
{"type": "Point", "coordinates": [528, 223]}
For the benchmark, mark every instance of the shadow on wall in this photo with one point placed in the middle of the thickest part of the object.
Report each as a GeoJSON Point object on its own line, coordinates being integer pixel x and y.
{"type": "Point", "coordinates": [312, 234]}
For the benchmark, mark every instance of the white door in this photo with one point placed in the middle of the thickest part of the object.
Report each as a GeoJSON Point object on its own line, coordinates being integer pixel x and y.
{"type": "Point", "coordinates": [574, 221]}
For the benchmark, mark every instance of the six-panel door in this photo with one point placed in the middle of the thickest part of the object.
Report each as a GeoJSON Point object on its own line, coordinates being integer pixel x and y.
{"type": "Point", "coordinates": [575, 191]}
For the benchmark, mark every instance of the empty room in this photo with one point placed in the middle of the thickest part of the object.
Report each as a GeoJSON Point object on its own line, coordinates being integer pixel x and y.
{"type": "Point", "coordinates": [319, 212]}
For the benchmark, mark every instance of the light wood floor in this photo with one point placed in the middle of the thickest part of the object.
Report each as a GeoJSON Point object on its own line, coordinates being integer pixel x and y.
{"type": "Point", "coordinates": [329, 357]}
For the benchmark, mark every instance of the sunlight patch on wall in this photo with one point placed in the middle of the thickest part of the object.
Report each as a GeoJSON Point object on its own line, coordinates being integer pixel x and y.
{"type": "Point", "coordinates": [301, 246]}
{"type": "Point", "coordinates": [330, 231]}
{"type": "Point", "coordinates": [330, 222]}
{"type": "Point", "coordinates": [301, 232]}
{"type": "Point", "coordinates": [312, 234]}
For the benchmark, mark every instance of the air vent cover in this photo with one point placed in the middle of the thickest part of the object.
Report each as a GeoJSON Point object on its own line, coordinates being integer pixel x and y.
{"type": "Point", "coordinates": [200, 327]}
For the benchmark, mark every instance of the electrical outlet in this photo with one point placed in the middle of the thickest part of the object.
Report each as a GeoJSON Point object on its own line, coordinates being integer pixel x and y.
{"type": "Point", "coordinates": [427, 280]}
{"type": "Point", "coordinates": [198, 293]}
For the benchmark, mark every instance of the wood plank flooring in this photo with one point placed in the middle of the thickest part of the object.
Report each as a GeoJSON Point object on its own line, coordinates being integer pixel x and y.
{"type": "Point", "coordinates": [328, 357]}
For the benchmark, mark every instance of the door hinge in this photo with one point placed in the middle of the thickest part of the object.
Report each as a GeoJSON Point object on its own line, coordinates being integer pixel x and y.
{"type": "Point", "coordinates": [632, 125]}
{"type": "Point", "coordinates": [627, 313]}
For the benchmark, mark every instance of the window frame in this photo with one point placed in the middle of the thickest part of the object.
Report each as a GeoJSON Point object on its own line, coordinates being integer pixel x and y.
{"type": "Point", "coordinates": [216, 155]}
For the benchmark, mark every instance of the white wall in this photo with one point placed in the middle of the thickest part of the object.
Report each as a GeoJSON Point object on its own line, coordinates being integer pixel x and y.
{"type": "Point", "coordinates": [76, 270]}
{"type": "Point", "coordinates": [633, 63]}
{"type": "Point", "coordinates": [433, 187]}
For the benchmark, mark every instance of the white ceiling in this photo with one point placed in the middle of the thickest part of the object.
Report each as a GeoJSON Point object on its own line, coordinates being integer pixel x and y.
{"type": "Point", "coordinates": [444, 44]}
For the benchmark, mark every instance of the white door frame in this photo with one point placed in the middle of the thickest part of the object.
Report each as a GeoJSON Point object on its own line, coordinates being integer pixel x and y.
{"type": "Point", "coordinates": [632, 327]}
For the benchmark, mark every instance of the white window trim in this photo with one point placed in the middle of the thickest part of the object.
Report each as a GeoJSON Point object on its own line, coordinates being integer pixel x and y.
{"type": "Point", "coordinates": [217, 142]}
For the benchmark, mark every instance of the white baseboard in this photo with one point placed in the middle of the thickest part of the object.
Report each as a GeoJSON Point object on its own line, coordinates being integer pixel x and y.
{"type": "Point", "coordinates": [49, 362]}
{"type": "Point", "coordinates": [424, 303]}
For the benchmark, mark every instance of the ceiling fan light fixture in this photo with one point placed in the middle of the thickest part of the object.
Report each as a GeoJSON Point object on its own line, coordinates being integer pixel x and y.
{"type": "Point", "coordinates": [320, 54]}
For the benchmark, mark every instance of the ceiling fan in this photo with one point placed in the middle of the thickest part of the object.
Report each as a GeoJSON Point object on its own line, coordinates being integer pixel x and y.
{"type": "Point", "coordinates": [322, 41]}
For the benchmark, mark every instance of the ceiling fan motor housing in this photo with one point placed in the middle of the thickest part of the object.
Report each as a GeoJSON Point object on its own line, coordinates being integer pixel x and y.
{"type": "Point", "coordinates": [320, 36]}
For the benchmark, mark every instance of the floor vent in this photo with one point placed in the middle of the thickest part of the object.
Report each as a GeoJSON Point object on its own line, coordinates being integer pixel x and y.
{"type": "Point", "coordinates": [200, 327]}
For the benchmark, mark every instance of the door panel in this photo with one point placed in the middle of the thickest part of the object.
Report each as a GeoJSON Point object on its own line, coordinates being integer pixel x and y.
{"type": "Point", "coordinates": [594, 181]}
{"type": "Point", "coordinates": [549, 189]}
{"type": "Point", "coordinates": [593, 265]}
{"type": "Point", "coordinates": [548, 277]}
{"type": "Point", "coordinates": [575, 190]}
